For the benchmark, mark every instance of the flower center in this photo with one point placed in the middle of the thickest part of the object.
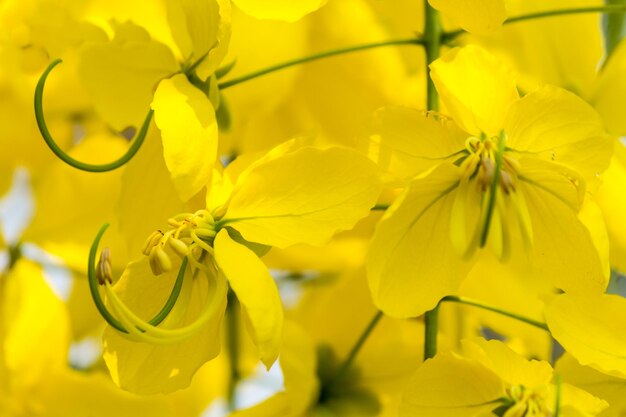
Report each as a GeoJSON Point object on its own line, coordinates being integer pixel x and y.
{"type": "Point", "coordinates": [190, 234]}
{"type": "Point", "coordinates": [487, 204]}
{"type": "Point", "coordinates": [528, 402]}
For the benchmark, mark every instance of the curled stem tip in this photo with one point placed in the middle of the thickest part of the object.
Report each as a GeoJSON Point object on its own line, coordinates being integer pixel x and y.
{"type": "Point", "coordinates": [99, 302]}
{"type": "Point", "coordinates": [65, 157]}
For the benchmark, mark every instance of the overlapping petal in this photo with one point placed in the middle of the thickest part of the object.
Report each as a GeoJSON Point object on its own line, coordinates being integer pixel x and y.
{"type": "Point", "coordinates": [188, 128]}
{"type": "Point", "coordinates": [122, 74]}
{"type": "Point", "coordinates": [304, 196]}
{"type": "Point", "coordinates": [475, 88]}
{"type": "Point", "coordinates": [589, 328]}
{"type": "Point", "coordinates": [149, 368]}
{"type": "Point", "coordinates": [411, 261]}
{"type": "Point", "coordinates": [257, 293]}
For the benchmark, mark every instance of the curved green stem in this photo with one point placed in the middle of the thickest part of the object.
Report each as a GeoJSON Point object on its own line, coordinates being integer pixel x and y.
{"type": "Point", "coordinates": [478, 304]}
{"type": "Point", "coordinates": [347, 363]}
{"type": "Point", "coordinates": [614, 8]}
{"type": "Point", "coordinates": [45, 133]}
{"type": "Point", "coordinates": [99, 302]}
{"type": "Point", "coordinates": [315, 57]}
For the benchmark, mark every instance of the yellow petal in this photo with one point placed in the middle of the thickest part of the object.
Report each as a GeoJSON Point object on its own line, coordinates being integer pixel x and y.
{"type": "Point", "coordinates": [79, 393]}
{"type": "Point", "coordinates": [188, 127]}
{"type": "Point", "coordinates": [475, 16]}
{"type": "Point", "coordinates": [610, 86]}
{"type": "Point", "coordinates": [32, 316]}
{"type": "Point", "coordinates": [590, 328]}
{"type": "Point", "coordinates": [73, 204]}
{"type": "Point", "coordinates": [512, 368]}
{"type": "Point", "coordinates": [279, 9]}
{"type": "Point", "coordinates": [148, 197]}
{"type": "Point", "coordinates": [279, 203]}
{"type": "Point", "coordinates": [475, 87]}
{"type": "Point", "coordinates": [563, 50]}
{"type": "Point", "coordinates": [448, 386]}
{"type": "Point", "coordinates": [411, 262]}
{"type": "Point", "coordinates": [122, 74]}
{"type": "Point", "coordinates": [201, 29]}
{"type": "Point", "coordinates": [406, 142]}
{"type": "Point", "coordinates": [609, 388]}
{"type": "Point", "coordinates": [256, 291]}
{"type": "Point", "coordinates": [612, 201]}
{"type": "Point", "coordinates": [146, 368]}
{"type": "Point", "coordinates": [563, 249]}
{"type": "Point", "coordinates": [556, 125]}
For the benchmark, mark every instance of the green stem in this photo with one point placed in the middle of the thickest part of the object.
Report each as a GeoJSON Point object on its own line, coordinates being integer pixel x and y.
{"type": "Point", "coordinates": [347, 363]}
{"type": "Point", "coordinates": [315, 57]}
{"type": "Point", "coordinates": [433, 38]}
{"type": "Point", "coordinates": [99, 302]}
{"type": "Point", "coordinates": [65, 157]}
{"type": "Point", "coordinates": [233, 347]}
{"type": "Point", "coordinates": [478, 304]}
{"type": "Point", "coordinates": [431, 328]}
{"type": "Point", "coordinates": [549, 13]}
{"type": "Point", "coordinates": [557, 401]}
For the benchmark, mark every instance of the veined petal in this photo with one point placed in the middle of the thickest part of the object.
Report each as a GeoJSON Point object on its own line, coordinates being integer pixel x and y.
{"type": "Point", "coordinates": [257, 293]}
{"type": "Point", "coordinates": [590, 328]}
{"type": "Point", "coordinates": [556, 125]}
{"type": "Point", "coordinates": [201, 29]}
{"type": "Point", "coordinates": [122, 74]}
{"type": "Point", "coordinates": [475, 16]}
{"type": "Point", "coordinates": [411, 262]}
{"type": "Point", "coordinates": [188, 127]}
{"type": "Point", "coordinates": [288, 10]}
{"type": "Point", "coordinates": [406, 142]}
{"type": "Point", "coordinates": [147, 368]}
{"type": "Point", "coordinates": [475, 87]}
{"type": "Point", "coordinates": [449, 386]}
{"type": "Point", "coordinates": [563, 249]}
{"type": "Point", "coordinates": [279, 203]}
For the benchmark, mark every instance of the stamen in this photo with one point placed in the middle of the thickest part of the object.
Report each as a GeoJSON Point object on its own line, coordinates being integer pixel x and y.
{"type": "Point", "coordinates": [103, 269]}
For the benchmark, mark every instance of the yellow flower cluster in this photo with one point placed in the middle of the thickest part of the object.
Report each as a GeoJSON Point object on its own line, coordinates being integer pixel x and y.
{"type": "Point", "coordinates": [396, 209]}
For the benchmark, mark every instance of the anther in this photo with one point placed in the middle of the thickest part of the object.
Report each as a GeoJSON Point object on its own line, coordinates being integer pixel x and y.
{"type": "Point", "coordinates": [159, 260]}
{"type": "Point", "coordinates": [103, 268]}
{"type": "Point", "coordinates": [178, 246]}
{"type": "Point", "coordinates": [151, 242]}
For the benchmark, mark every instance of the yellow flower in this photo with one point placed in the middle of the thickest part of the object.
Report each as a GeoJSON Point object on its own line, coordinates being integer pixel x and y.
{"type": "Point", "coordinates": [488, 378]}
{"type": "Point", "coordinates": [132, 72]}
{"type": "Point", "coordinates": [272, 202]}
{"type": "Point", "coordinates": [512, 176]}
